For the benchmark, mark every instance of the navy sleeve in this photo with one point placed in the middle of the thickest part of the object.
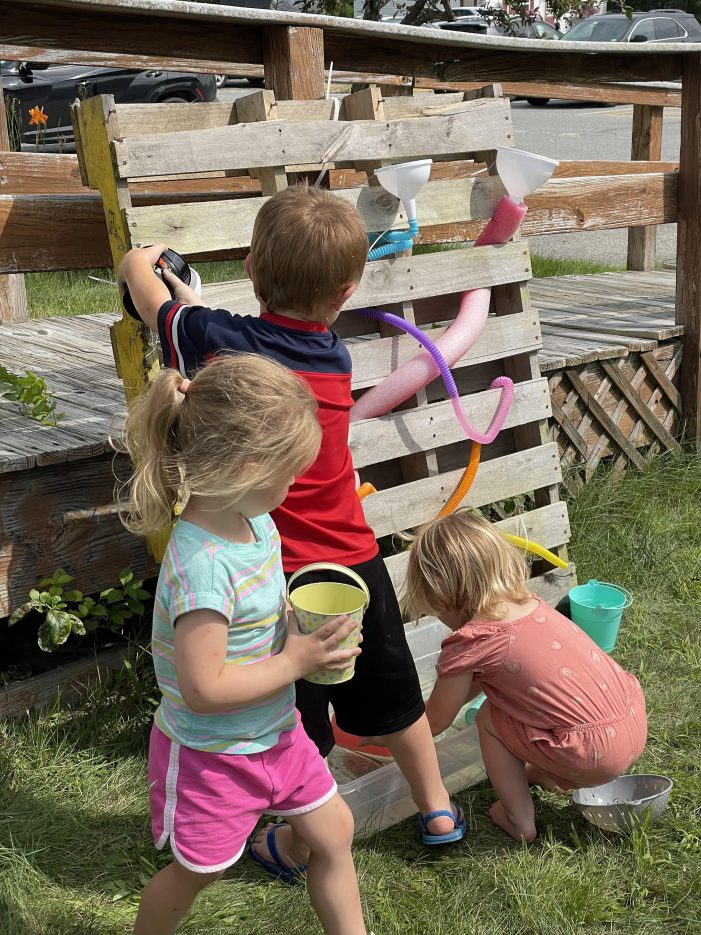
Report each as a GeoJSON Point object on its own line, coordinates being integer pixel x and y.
{"type": "Point", "coordinates": [190, 334]}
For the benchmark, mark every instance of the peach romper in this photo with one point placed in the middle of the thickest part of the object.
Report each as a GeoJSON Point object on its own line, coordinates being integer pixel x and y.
{"type": "Point", "coordinates": [557, 700]}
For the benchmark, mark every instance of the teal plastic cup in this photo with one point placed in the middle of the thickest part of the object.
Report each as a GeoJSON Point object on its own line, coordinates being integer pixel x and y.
{"type": "Point", "coordinates": [597, 607]}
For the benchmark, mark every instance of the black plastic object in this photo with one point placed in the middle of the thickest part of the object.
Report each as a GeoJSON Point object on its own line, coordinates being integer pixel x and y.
{"type": "Point", "coordinates": [170, 260]}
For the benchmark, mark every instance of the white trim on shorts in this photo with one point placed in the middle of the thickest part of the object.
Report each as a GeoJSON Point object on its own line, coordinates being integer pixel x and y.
{"type": "Point", "coordinates": [305, 808]}
{"type": "Point", "coordinates": [169, 818]}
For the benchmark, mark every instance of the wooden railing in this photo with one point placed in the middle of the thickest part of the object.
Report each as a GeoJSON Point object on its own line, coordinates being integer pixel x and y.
{"type": "Point", "coordinates": [293, 51]}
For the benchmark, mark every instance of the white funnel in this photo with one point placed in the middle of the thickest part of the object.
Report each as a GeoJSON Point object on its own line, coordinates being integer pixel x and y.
{"type": "Point", "coordinates": [523, 172]}
{"type": "Point", "coordinates": [405, 180]}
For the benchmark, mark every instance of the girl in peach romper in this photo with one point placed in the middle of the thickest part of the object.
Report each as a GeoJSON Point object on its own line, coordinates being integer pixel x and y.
{"type": "Point", "coordinates": [560, 713]}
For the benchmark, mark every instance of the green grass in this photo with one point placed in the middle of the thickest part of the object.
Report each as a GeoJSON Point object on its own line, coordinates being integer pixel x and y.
{"type": "Point", "coordinates": [72, 293]}
{"type": "Point", "coordinates": [74, 837]}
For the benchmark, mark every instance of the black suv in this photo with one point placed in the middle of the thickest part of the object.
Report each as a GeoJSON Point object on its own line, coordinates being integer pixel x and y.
{"type": "Point", "coordinates": [27, 85]}
{"type": "Point", "coordinates": [653, 26]}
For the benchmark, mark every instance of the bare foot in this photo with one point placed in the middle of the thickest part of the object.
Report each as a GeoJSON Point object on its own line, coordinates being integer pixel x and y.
{"type": "Point", "coordinates": [518, 832]}
{"type": "Point", "coordinates": [538, 777]}
{"type": "Point", "coordinates": [292, 852]}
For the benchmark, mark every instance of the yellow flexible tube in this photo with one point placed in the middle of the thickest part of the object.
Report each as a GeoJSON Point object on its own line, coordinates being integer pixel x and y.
{"type": "Point", "coordinates": [536, 549]}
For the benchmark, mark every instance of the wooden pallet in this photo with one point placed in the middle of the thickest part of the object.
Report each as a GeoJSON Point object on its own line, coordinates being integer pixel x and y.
{"type": "Point", "coordinates": [399, 453]}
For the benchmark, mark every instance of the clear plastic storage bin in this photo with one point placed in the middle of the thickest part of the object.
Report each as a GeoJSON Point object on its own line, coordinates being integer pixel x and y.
{"type": "Point", "coordinates": [376, 791]}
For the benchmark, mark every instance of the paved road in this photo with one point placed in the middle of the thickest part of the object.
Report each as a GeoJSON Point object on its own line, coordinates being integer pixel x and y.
{"type": "Point", "coordinates": [574, 130]}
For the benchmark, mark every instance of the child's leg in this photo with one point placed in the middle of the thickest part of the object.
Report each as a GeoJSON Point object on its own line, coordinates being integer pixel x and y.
{"type": "Point", "coordinates": [167, 897]}
{"type": "Point", "coordinates": [331, 881]}
{"type": "Point", "coordinates": [507, 774]}
{"type": "Point", "coordinates": [415, 754]}
{"type": "Point", "coordinates": [539, 777]}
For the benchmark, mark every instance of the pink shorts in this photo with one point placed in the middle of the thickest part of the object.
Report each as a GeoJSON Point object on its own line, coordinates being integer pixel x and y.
{"type": "Point", "coordinates": [209, 803]}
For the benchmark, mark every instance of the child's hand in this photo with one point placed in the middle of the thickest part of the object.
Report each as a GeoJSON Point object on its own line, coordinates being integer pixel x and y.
{"type": "Point", "coordinates": [139, 258]}
{"type": "Point", "coordinates": [181, 291]}
{"type": "Point", "coordinates": [319, 650]}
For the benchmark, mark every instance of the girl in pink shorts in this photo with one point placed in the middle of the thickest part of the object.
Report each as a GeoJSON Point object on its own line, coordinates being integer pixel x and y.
{"type": "Point", "coordinates": [226, 744]}
{"type": "Point", "coordinates": [560, 713]}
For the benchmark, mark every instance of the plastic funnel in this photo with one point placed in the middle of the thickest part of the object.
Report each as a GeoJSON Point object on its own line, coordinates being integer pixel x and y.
{"type": "Point", "coordinates": [315, 604]}
{"type": "Point", "coordinates": [597, 607]}
{"type": "Point", "coordinates": [405, 180]}
{"type": "Point", "coordinates": [523, 172]}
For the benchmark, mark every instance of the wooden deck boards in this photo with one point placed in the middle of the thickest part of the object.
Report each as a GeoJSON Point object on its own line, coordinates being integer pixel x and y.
{"type": "Point", "coordinates": [584, 318]}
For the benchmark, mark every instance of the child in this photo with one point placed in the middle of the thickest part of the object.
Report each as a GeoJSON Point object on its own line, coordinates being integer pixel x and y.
{"type": "Point", "coordinates": [226, 745]}
{"type": "Point", "coordinates": [308, 253]}
{"type": "Point", "coordinates": [559, 713]}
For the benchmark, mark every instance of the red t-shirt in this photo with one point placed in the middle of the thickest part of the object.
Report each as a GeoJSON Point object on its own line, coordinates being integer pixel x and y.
{"type": "Point", "coordinates": [322, 518]}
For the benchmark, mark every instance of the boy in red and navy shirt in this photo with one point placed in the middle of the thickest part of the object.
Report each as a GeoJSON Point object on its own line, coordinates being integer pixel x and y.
{"type": "Point", "coordinates": [308, 253]}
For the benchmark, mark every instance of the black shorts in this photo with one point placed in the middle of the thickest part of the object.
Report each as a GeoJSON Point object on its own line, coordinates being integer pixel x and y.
{"type": "Point", "coordinates": [384, 695]}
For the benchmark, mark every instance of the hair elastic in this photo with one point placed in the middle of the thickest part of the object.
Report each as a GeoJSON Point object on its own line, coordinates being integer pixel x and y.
{"type": "Point", "coordinates": [184, 386]}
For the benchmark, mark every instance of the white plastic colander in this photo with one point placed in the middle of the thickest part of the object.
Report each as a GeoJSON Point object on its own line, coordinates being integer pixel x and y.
{"type": "Point", "coordinates": [623, 803]}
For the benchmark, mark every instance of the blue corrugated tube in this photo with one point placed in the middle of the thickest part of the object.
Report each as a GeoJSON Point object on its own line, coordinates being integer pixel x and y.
{"type": "Point", "coordinates": [395, 242]}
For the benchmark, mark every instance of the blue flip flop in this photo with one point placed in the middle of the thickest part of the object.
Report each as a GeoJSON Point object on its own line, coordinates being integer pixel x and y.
{"type": "Point", "coordinates": [455, 835]}
{"type": "Point", "coordinates": [277, 867]}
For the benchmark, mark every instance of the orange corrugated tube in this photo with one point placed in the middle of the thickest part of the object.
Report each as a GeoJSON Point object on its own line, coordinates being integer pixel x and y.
{"type": "Point", "coordinates": [365, 490]}
{"type": "Point", "coordinates": [465, 481]}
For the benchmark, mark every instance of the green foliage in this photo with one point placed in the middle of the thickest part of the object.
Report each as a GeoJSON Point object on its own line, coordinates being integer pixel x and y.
{"type": "Point", "coordinates": [31, 394]}
{"type": "Point", "coordinates": [70, 611]}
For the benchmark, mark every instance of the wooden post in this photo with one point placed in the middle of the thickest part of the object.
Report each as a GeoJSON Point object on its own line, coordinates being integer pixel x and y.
{"type": "Point", "coordinates": [646, 144]}
{"type": "Point", "coordinates": [13, 295]}
{"type": "Point", "coordinates": [688, 304]}
{"type": "Point", "coordinates": [293, 61]}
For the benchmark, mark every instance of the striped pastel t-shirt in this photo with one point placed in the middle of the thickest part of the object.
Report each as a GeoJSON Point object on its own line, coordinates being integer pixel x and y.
{"type": "Point", "coordinates": [244, 583]}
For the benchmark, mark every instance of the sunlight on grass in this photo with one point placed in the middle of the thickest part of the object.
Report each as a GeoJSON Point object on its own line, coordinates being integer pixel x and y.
{"type": "Point", "coordinates": [75, 845]}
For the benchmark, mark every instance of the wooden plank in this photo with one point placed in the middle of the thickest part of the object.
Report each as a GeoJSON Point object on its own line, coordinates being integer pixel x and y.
{"type": "Point", "coordinates": [405, 279]}
{"type": "Point", "coordinates": [434, 425]}
{"type": "Point", "coordinates": [688, 303]}
{"type": "Point", "coordinates": [243, 146]}
{"type": "Point", "coordinates": [66, 683]}
{"type": "Point", "coordinates": [13, 294]}
{"type": "Point", "coordinates": [374, 360]}
{"type": "Point", "coordinates": [253, 108]}
{"type": "Point", "coordinates": [293, 62]}
{"type": "Point", "coordinates": [618, 93]}
{"type": "Point", "coordinates": [420, 105]}
{"type": "Point", "coordinates": [646, 144]}
{"type": "Point", "coordinates": [563, 204]}
{"type": "Point", "coordinates": [548, 526]}
{"type": "Point", "coordinates": [35, 538]}
{"type": "Point", "coordinates": [408, 505]}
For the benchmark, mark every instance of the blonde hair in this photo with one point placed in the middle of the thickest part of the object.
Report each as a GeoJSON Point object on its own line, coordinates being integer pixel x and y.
{"type": "Point", "coordinates": [307, 247]}
{"type": "Point", "coordinates": [461, 563]}
{"type": "Point", "coordinates": [243, 422]}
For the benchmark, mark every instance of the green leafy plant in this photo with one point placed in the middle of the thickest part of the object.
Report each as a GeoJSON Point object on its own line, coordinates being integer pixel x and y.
{"type": "Point", "coordinates": [30, 392]}
{"type": "Point", "coordinates": [70, 611]}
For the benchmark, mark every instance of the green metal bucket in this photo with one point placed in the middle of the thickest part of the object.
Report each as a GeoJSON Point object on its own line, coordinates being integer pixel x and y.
{"type": "Point", "coordinates": [597, 607]}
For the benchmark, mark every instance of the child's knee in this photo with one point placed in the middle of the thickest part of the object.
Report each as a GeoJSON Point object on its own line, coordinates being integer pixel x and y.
{"type": "Point", "coordinates": [338, 836]}
{"type": "Point", "coordinates": [193, 880]}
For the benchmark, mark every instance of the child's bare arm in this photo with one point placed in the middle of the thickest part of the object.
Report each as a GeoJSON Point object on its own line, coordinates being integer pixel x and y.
{"type": "Point", "coordinates": [449, 694]}
{"type": "Point", "coordinates": [208, 684]}
{"type": "Point", "coordinates": [148, 291]}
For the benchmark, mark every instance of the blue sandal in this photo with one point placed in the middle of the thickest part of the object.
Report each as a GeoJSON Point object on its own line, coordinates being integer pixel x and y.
{"type": "Point", "coordinates": [277, 867]}
{"type": "Point", "coordinates": [455, 835]}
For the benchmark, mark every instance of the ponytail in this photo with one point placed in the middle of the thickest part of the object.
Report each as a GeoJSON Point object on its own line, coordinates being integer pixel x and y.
{"type": "Point", "coordinates": [151, 442]}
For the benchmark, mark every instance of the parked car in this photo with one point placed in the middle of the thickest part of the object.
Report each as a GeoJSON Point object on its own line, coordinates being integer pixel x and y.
{"type": "Point", "coordinates": [653, 26]}
{"type": "Point", "coordinates": [53, 88]}
{"type": "Point", "coordinates": [538, 29]}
